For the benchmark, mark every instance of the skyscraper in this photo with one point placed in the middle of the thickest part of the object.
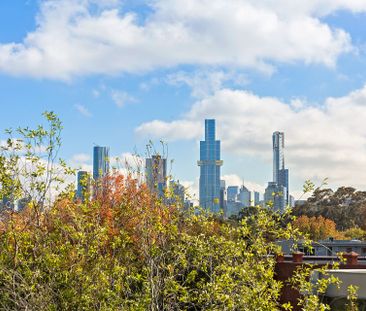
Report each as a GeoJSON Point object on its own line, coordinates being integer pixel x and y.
{"type": "Point", "coordinates": [156, 174]}
{"type": "Point", "coordinates": [278, 140]}
{"type": "Point", "coordinates": [210, 164]}
{"type": "Point", "coordinates": [280, 173]}
{"type": "Point", "coordinates": [100, 162]}
{"type": "Point", "coordinates": [232, 193]}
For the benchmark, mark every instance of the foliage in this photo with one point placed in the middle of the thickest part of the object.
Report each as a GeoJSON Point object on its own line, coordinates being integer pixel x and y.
{"type": "Point", "coordinates": [355, 233]}
{"type": "Point", "coordinates": [29, 168]}
{"type": "Point", "coordinates": [346, 207]}
{"type": "Point", "coordinates": [313, 291]}
{"type": "Point", "coordinates": [318, 228]}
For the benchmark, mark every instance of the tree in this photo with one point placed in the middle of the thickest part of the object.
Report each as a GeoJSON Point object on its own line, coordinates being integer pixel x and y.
{"type": "Point", "coordinates": [29, 164]}
{"type": "Point", "coordinates": [346, 207]}
{"type": "Point", "coordinates": [355, 233]}
{"type": "Point", "coordinates": [318, 228]}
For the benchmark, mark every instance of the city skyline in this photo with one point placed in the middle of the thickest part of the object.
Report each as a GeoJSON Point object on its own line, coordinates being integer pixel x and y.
{"type": "Point", "coordinates": [309, 84]}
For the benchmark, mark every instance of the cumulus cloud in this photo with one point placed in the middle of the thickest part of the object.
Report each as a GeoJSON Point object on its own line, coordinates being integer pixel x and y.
{"type": "Point", "coordinates": [328, 140]}
{"type": "Point", "coordinates": [72, 38]}
{"type": "Point", "coordinates": [205, 82]}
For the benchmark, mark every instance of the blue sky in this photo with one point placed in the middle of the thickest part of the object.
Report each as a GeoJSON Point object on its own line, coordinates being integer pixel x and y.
{"type": "Point", "coordinates": [119, 73]}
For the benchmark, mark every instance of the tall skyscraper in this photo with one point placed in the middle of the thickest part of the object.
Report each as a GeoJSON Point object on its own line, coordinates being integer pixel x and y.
{"type": "Point", "coordinates": [278, 140]}
{"type": "Point", "coordinates": [280, 173]}
{"type": "Point", "coordinates": [210, 165]}
{"type": "Point", "coordinates": [100, 162]}
{"type": "Point", "coordinates": [156, 174]}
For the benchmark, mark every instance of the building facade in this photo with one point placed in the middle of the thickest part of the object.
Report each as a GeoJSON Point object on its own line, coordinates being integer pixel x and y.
{"type": "Point", "coordinates": [100, 162]}
{"type": "Point", "coordinates": [256, 198]}
{"type": "Point", "coordinates": [210, 169]}
{"type": "Point", "coordinates": [274, 197]}
{"type": "Point", "coordinates": [232, 193]}
{"type": "Point", "coordinates": [244, 196]}
{"type": "Point", "coordinates": [280, 172]}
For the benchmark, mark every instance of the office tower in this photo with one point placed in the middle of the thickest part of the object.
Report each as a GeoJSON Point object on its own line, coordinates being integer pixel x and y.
{"type": "Point", "coordinates": [232, 193]}
{"type": "Point", "coordinates": [210, 165]}
{"type": "Point", "coordinates": [278, 141]}
{"type": "Point", "coordinates": [100, 162]}
{"type": "Point", "coordinates": [223, 196]}
{"type": "Point", "coordinates": [244, 196]}
{"type": "Point", "coordinates": [156, 174]}
{"type": "Point", "coordinates": [280, 173]}
{"type": "Point", "coordinates": [255, 198]}
{"type": "Point", "coordinates": [83, 185]}
{"type": "Point", "coordinates": [233, 208]}
{"type": "Point", "coordinates": [177, 191]}
{"type": "Point", "coordinates": [274, 197]}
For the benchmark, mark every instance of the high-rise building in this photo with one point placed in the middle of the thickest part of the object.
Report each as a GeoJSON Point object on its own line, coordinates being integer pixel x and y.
{"type": "Point", "coordinates": [280, 173]}
{"type": "Point", "coordinates": [83, 185]}
{"type": "Point", "coordinates": [256, 198]}
{"type": "Point", "coordinates": [274, 197]}
{"type": "Point", "coordinates": [156, 174]}
{"type": "Point", "coordinates": [233, 208]}
{"type": "Point", "coordinates": [210, 166]}
{"type": "Point", "coordinates": [100, 162]}
{"type": "Point", "coordinates": [278, 140]}
{"type": "Point", "coordinates": [232, 193]}
{"type": "Point", "coordinates": [244, 196]}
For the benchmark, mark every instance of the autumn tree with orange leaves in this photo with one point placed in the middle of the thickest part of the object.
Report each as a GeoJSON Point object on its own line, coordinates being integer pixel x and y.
{"type": "Point", "coordinates": [318, 228]}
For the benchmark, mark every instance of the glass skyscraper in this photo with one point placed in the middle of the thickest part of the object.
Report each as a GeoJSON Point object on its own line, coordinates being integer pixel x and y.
{"type": "Point", "coordinates": [100, 162]}
{"type": "Point", "coordinates": [210, 165]}
{"type": "Point", "coordinates": [280, 173]}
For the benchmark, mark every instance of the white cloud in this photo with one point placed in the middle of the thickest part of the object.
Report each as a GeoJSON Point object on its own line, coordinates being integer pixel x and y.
{"type": "Point", "coordinates": [81, 161]}
{"type": "Point", "coordinates": [83, 110]}
{"type": "Point", "coordinates": [205, 82]}
{"type": "Point", "coordinates": [72, 39]}
{"type": "Point", "coordinates": [328, 140]}
{"type": "Point", "coordinates": [170, 131]}
{"type": "Point", "coordinates": [122, 98]}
